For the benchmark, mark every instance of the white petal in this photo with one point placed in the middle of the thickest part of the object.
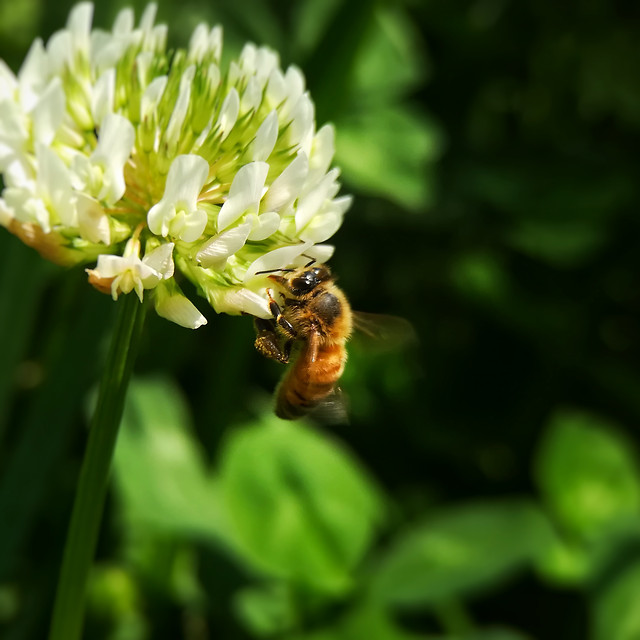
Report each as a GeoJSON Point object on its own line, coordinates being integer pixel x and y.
{"type": "Point", "coordinates": [279, 258]}
{"type": "Point", "coordinates": [158, 37]}
{"type": "Point", "coordinates": [266, 137]}
{"type": "Point", "coordinates": [214, 253]}
{"type": "Point", "coordinates": [228, 113]}
{"type": "Point", "coordinates": [48, 113]}
{"type": "Point", "coordinates": [194, 226]}
{"type": "Point", "coordinates": [124, 21]}
{"type": "Point", "coordinates": [8, 81]}
{"type": "Point", "coordinates": [33, 75]}
{"type": "Point", "coordinates": [109, 266]}
{"type": "Point", "coordinates": [301, 129]}
{"type": "Point", "coordinates": [320, 252]}
{"type": "Point", "coordinates": [79, 24]}
{"type": "Point", "coordinates": [313, 201]}
{"type": "Point", "coordinates": [251, 96]}
{"type": "Point", "coordinates": [59, 52]}
{"type": "Point", "coordinates": [182, 105]}
{"type": "Point", "coordinates": [198, 44]}
{"type": "Point", "coordinates": [159, 217]}
{"type": "Point", "coordinates": [213, 76]}
{"type": "Point", "coordinates": [215, 42]}
{"type": "Point", "coordinates": [321, 227]}
{"type": "Point", "coordinates": [93, 222]}
{"type": "Point", "coordinates": [264, 226]}
{"type": "Point", "coordinates": [54, 181]}
{"type": "Point", "coordinates": [322, 152]}
{"type": "Point", "coordinates": [287, 186]}
{"type": "Point", "coordinates": [148, 18]}
{"type": "Point", "coordinates": [179, 309]}
{"type": "Point", "coordinates": [245, 193]}
{"type": "Point", "coordinates": [115, 142]}
{"type": "Point", "coordinates": [160, 259]}
{"type": "Point", "coordinates": [151, 96]}
{"type": "Point", "coordinates": [237, 300]}
{"type": "Point", "coordinates": [103, 95]}
{"type": "Point", "coordinates": [187, 175]}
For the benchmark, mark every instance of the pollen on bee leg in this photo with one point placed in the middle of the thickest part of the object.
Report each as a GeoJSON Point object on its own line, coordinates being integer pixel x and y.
{"type": "Point", "coordinates": [267, 341]}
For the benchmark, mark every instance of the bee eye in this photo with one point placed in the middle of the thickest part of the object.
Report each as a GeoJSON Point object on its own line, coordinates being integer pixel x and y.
{"type": "Point", "coordinates": [304, 283]}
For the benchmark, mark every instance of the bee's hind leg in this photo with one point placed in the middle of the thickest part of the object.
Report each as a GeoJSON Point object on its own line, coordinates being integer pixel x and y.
{"type": "Point", "coordinates": [269, 343]}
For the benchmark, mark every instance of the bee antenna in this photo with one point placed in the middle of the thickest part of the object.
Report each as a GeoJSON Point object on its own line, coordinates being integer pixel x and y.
{"type": "Point", "coordinates": [259, 273]}
{"type": "Point", "coordinates": [311, 260]}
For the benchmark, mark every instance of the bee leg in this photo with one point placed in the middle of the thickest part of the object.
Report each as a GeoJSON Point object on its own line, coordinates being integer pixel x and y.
{"type": "Point", "coordinates": [268, 342]}
{"type": "Point", "coordinates": [283, 324]}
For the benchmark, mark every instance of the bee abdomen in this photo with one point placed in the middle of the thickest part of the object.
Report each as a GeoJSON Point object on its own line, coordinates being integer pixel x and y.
{"type": "Point", "coordinates": [307, 384]}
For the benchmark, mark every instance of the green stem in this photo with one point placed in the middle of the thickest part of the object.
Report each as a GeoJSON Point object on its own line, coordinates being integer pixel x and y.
{"type": "Point", "coordinates": [68, 612]}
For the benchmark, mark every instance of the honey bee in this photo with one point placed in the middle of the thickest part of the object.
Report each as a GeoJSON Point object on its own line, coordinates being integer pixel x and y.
{"type": "Point", "coordinates": [310, 329]}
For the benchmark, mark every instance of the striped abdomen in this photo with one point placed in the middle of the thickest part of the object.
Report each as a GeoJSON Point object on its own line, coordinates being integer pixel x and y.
{"type": "Point", "coordinates": [310, 380]}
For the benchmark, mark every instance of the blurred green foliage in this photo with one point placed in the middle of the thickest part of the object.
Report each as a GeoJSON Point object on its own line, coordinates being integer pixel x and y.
{"type": "Point", "coordinates": [487, 487]}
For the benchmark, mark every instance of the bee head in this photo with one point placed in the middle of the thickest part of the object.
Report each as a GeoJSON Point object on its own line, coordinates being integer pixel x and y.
{"type": "Point", "coordinates": [307, 280]}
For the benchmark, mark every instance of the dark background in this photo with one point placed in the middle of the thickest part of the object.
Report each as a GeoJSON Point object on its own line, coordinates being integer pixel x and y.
{"type": "Point", "coordinates": [492, 150]}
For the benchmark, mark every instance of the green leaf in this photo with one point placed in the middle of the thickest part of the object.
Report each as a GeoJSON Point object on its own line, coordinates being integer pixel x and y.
{"type": "Point", "coordinates": [301, 506]}
{"type": "Point", "coordinates": [391, 58]}
{"type": "Point", "coordinates": [387, 152]}
{"type": "Point", "coordinates": [497, 633]}
{"type": "Point", "coordinates": [459, 550]}
{"type": "Point", "coordinates": [587, 474]}
{"type": "Point", "coordinates": [268, 610]}
{"type": "Point", "coordinates": [364, 622]}
{"type": "Point", "coordinates": [616, 610]}
{"type": "Point", "coordinates": [159, 467]}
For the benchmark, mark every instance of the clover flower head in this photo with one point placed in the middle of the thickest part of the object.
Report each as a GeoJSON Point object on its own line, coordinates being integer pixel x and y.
{"type": "Point", "coordinates": [162, 167]}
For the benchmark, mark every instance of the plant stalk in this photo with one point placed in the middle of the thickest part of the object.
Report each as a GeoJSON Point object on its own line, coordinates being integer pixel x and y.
{"type": "Point", "coordinates": [82, 536]}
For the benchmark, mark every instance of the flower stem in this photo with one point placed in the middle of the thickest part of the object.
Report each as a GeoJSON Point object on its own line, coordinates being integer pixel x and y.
{"type": "Point", "coordinates": [68, 612]}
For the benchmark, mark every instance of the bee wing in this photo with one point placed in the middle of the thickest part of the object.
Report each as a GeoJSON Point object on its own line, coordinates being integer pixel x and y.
{"type": "Point", "coordinates": [332, 410]}
{"type": "Point", "coordinates": [384, 332]}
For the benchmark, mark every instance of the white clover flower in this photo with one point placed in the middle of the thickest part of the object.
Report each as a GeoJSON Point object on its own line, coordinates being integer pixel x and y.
{"type": "Point", "coordinates": [163, 166]}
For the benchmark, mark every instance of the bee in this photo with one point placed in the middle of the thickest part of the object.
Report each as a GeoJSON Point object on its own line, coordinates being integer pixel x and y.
{"type": "Point", "coordinates": [309, 329]}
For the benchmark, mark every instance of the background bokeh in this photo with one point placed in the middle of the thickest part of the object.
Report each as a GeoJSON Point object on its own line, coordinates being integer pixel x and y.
{"type": "Point", "coordinates": [487, 486]}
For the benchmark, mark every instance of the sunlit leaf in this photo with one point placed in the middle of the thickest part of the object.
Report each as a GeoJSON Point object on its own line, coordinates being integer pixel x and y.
{"type": "Point", "coordinates": [159, 467]}
{"type": "Point", "coordinates": [391, 59]}
{"type": "Point", "coordinates": [616, 610]}
{"type": "Point", "coordinates": [387, 151]}
{"type": "Point", "coordinates": [459, 550]}
{"type": "Point", "coordinates": [491, 634]}
{"type": "Point", "coordinates": [365, 621]}
{"type": "Point", "coordinates": [301, 506]}
{"type": "Point", "coordinates": [588, 474]}
{"type": "Point", "coordinates": [267, 610]}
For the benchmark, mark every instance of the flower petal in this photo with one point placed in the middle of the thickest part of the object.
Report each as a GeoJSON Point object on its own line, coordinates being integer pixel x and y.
{"type": "Point", "coordinates": [312, 202]}
{"type": "Point", "coordinates": [48, 112]}
{"type": "Point", "coordinates": [54, 183]}
{"type": "Point", "coordinates": [266, 137]}
{"type": "Point", "coordinates": [187, 175]}
{"type": "Point", "coordinates": [103, 95]}
{"type": "Point", "coordinates": [214, 253]}
{"type": "Point", "coordinates": [245, 193]}
{"type": "Point", "coordinates": [160, 259]}
{"type": "Point", "coordinates": [93, 222]}
{"type": "Point", "coordinates": [237, 300]}
{"type": "Point", "coordinates": [194, 225]}
{"type": "Point", "coordinates": [279, 258]}
{"type": "Point", "coordinates": [115, 142]}
{"type": "Point", "coordinates": [264, 225]}
{"type": "Point", "coordinates": [287, 186]}
{"type": "Point", "coordinates": [173, 305]}
{"type": "Point", "coordinates": [229, 113]}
